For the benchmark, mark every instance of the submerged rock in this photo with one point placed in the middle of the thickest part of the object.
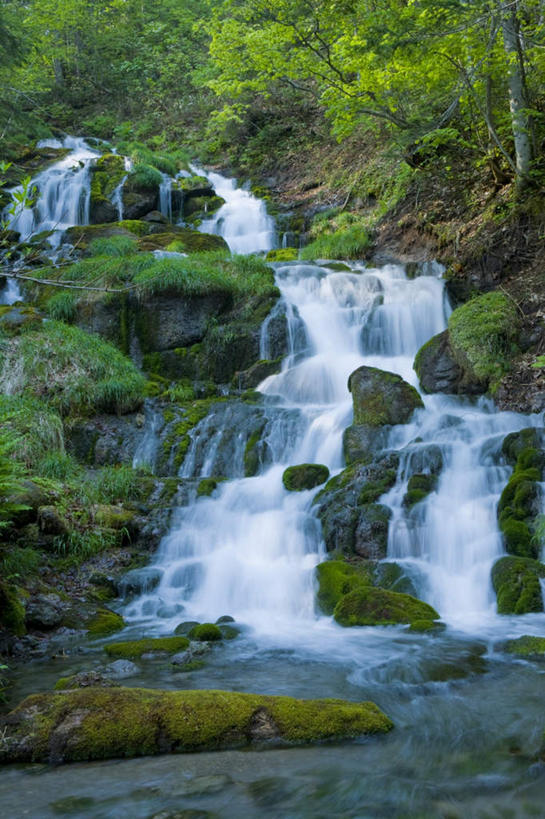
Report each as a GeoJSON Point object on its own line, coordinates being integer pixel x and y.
{"type": "Point", "coordinates": [105, 723]}
{"type": "Point", "coordinates": [304, 476]}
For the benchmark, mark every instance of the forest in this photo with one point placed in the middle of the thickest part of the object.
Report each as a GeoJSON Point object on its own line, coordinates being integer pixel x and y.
{"type": "Point", "coordinates": [272, 384]}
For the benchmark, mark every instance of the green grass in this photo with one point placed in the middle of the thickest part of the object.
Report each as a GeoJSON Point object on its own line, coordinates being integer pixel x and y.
{"type": "Point", "coordinates": [112, 246]}
{"type": "Point", "coordinates": [350, 242]}
{"type": "Point", "coordinates": [37, 426]}
{"type": "Point", "coordinates": [113, 484]}
{"type": "Point", "coordinates": [73, 371]}
{"type": "Point", "coordinates": [62, 306]}
{"type": "Point", "coordinates": [18, 562]}
{"type": "Point", "coordinates": [144, 177]}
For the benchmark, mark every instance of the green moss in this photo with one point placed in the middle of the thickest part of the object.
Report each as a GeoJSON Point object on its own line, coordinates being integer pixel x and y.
{"type": "Point", "coordinates": [527, 646]}
{"type": "Point", "coordinates": [284, 254]}
{"type": "Point", "coordinates": [251, 453]}
{"type": "Point", "coordinates": [372, 490]}
{"type": "Point", "coordinates": [126, 722]}
{"type": "Point", "coordinates": [419, 487]}
{"type": "Point", "coordinates": [304, 476]}
{"type": "Point", "coordinates": [515, 443]}
{"type": "Point", "coordinates": [143, 178]}
{"type": "Point", "coordinates": [105, 622]}
{"type": "Point", "coordinates": [519, 504]}
{"type": "Point", "coordinates": [483, 336]}
{"type": "Point", "coordinates": [381, 398]}
{"type": "Point", "coordinates": [205, 632]}
{"type": "Point", "coordinates": [107, 173]}
{"type": "Point", "coordinates": [516, 583]}
{"type": "Point", "coordinates": [15, 319]}
{"type": "Point", "coordinates": [208, 485]}
{"type": "Point", "coordinates": [112, 517]}
{"type": "Point", "coordinates": [337, 578]}
{"type": "Point", "coordinates": [425, 626]}
{"type": "Point", "coordinates": [193, 665]}
{"type": "Point", "coordinates": [135, 226]}
{"type": "Point", "coordinates": [368, 606]}
{"type": "Point", "coordinates": [135, 648]}
{"type": "Point", "coordinates": [12, 611]}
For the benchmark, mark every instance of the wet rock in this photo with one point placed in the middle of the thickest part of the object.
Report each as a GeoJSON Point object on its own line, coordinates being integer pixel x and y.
{"type": "Point", "coordinates": [45, 611]}
{"type": "Point", "coordinates": [29, 497]}
{"type": "Point", "coordinates": [419, 487]}
{"type": "Point", "coordinates": [183, 629]}
{"type": "Point", "coordinates": [121, 669]}
{"type": "Point", "coordinates": [201, 785]}
{"type": "Point", "coordinates": [437, 369]}
{"type": "Point", "coordinates": [205, 632]}
{"type": "Point", "coordinates": [361, 443]}
{"type": "Point", "coordinates": [516, 581]}
{"type": "Point", "coordinates": [258, 372]}
{"type": "Point", "coordinates": [105, 723]}
{"type": "Point", "coordinates": [381, 398]}
{"type": "Point", "coordinates": [147, 647]}
{"type": "Point", "coordinates": [139, 581]}
{"type": "Point", "coordinates": [105, 622]}
{"type": "Point", "coordinates": [526, 646]}
{"type": "Point", "coordinates": [371, 533]}
{"type": "Point", "coordinates": [304, 476]}
{"type": "Point", "coordinates": [369, 606]}
{"type": "Point", "coordinates": [85, 679]}
{"type": "Point", "coordinates": [16, 319]}
{"type": "Point", "coordinates": [225, 618]}
{"type": "Point", "coordinates": [520, 504]}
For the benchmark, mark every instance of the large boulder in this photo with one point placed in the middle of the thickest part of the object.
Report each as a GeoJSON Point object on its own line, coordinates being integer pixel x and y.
{"type": "Point", "coordinates": [520, 502]}
{"type": "Point", "coordinates": [516, 581]}
{"type": "Point", "coordinates": [370, 606]}
{"type": "Point", "coordinates": [382, 398]}
{"type": "Point", "coordinates": [104, 723]}
{"type": "Point", "coordinates": [437, 369]}
{"type": "Point", "coordinates": [106, 174]}
{"type": "Point", "coordinates": [304, 476]}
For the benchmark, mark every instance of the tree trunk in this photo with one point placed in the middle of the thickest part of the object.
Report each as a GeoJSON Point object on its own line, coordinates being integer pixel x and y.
{"type": "Point", "coordinates": [517, 103]}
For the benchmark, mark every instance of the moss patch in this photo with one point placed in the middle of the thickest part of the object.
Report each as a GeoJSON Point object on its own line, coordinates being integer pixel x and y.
{"type": "Point", "coordinates": [368, 606]}
{"type": "Point", "coordinates": [337, 578]}
{"type": "Point", "coordinates": [105, 622]}
{"type": "Point", "coordinates": [135, 648]}
{"type": "Point", "coordinates": [205, 632]}
{"type": "Point", "coordinates": [283, 254]}
{"type": "Point", "coordinates": [483, 336]}
{"type": "Point", "coordinates": [519, 503]}
{"type": "Point", "coordinates": [381, 397]}
{"type": "Point", "coordinates": [304, 476]}
{"type": "Point", "coordinates": [527, 646]}
{"type": "Point", "coordinates": [12, 611]}
{"type": "Point", "coordinates": [516, 583]}
{"type": "Point", "coordinates": [104, 723]}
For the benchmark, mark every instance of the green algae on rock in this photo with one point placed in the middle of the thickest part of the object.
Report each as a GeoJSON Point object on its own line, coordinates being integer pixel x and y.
{"type": "Point", "coordinates": [135, 648]}
{"type": "Point", "coordinates": [304, 476]}
{"type": "Point", "coordinates": [205, 632]}
{"type": "Point", "coordinates": [337, 578]}
{"type": "Point", "coordinates": [105, 622]}
{"type": "Point", "coordinates": [516, 581]}
{"type": "Point", "coordinates": [105, 723]}
{"type": "Point", "coordinates": [526, 646]}
{"type": "Point", "coordinates": [369, 606]}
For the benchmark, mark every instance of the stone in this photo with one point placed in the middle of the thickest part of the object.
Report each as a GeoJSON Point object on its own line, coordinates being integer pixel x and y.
{"type": "Point", "coordinates": [437, 369]}
{"type": "Point", "coordinates": [304, 476]}
{"type": "Point", "coordinates": [51, 522]}
{"type": "Point", "coordinates": [381, 398]}
{"type": "Point", "coordinates": [121, 669]}
{"type": "Point", "coordinates": [369, 606]}
{"type": "Point", "coordinates": [45, 611]}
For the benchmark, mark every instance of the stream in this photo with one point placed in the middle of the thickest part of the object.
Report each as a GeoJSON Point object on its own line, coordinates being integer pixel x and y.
{"type": "Point", "coordinates": [469, 719]}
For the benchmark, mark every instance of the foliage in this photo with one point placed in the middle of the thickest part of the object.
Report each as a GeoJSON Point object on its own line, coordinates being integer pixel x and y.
{"type": "Point", "coordinates": [11, 474]}
{"type": "Point", "coordinates": [347, 243]}
{"type": "Point", "coordinates": [36, 427]}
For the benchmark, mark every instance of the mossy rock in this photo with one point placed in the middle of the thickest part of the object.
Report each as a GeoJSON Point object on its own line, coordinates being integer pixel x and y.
{"type": "Point", "coordinates": [516, 583]}
{"type": "Point", "coordinates": [437, 369]}
{"type": "Point", "coordinates": [419, 487]}
{"type": "Point", "coordinates": [208, 485]}
{"type": "Point", "coordinates": [81, 236]}
{"type": "Point", "coordinates": [337, 578]}
{"type": "Point", "coordinates": [106, 723]}
{"type": "Point", "coordinates": [186, 627]}
{"type": "Point", "coordinates": [186, 241]}
{"type": "Point", "coordinates": [382, 398]}
{"type": "Point", "coordinates": [483, 336]}
{"type": "Point", "coordinates": [135, 648]}
{"type": "Point", "coordinates": [15, 320]}
{"type": "Point", "coordinates": [283, 254]}
{"type": "Point", "coordinates": [526, 646]}
{"type": "Point", "coordinates": [12, 610]}
{"type": "Point", "coordinates": [105, 622]}
{"type": "Point", "coordinates": [369, 606]}
{"type": "Point", "coordinates": [362, 443]}
{"type": "Point", "coordinates": [229, 632]}
{"type": "Point", "coordinates": [520, 501]}
{"type": "Point", "coordinates": [304, 476]}
{"type": "Point", "coordinates": [106, 174]}
{"type": "Point", "coordinates": [426, 626]}
{"type": "Point", "coordinates": [205, 632]}
{"type": "Point", "coordinates": [143, 178]}
{"type": "Point", "coordinates": [113, 517]}
{"type": "Point", "coordinates": [516, 443]}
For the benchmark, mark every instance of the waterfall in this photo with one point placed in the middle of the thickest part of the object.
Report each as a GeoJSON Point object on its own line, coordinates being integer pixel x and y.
{"type": "Point", "coordinates": [165, 197]}
{"type": "Point", "coordinates": [10, 292]}
{"type": "Point", "coordinates": [243, 220]}
{"type": "Point", "coordinates": [250, 550]}
{"type": "Point", "coordinates": [64, 192]}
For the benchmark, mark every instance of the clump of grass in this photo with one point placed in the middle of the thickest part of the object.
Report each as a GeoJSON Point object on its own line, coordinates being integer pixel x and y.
{"type": "Point", "coordinates": [72, 370]}
{"type": "Point", "coordinates": [38, 428]}
{"type": "Point", "coordinates": [81, 544]}
{"type": "Point", "coordinates": [18, 562]}
{"type": "Point", "coordinates": [113, 484]}
{"type": "Point", "coordinates": [58, 466]}
{"type": "Point", "coordinates": [62, 306]}
{"type": "Point", "coordinates": [350, 242]}
{"type": "Point", "coordinates": [144, 177]}
{"type": "Point", "coordinates": [112, 246]}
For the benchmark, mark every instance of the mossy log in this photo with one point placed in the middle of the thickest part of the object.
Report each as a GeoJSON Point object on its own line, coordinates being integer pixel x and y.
{"type": "Point", "coordinates": [105, 723]}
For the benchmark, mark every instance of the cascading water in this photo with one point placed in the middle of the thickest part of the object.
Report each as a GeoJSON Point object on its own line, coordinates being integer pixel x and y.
{"type": "Point", "coordinates": [64, 191]}
{"type": "Point", "coordinates": [250, 551]}
{"type": "Point", "coordinates": [243, 220]}
{"type": "Point", "coordinates": [165, 197]}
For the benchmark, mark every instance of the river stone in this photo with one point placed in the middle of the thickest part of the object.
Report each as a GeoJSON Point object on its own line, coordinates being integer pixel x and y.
{"type": "Point", "coordinates": [381, 398]}
{"type": "Point", "coordinates": [45, 611]}
{"type": "Point", "coordinates": [200, 785]}
{"type": "Point", "coordinates": [139, 581]}
{"type": "Point", "coordinates": [108, 723]}
{"type": "Point", "coordinates": [51, 522]}
{"type": "Point", "coordinates": [121, 669]}
{"type": "Point", "coordinates": [183, 629]}
{"type": "Point", "coordinates": [362, 442]}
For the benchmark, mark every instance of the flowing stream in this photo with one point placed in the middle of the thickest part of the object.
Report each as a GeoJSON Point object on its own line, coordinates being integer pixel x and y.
{"type": "Point", "coordinates": [469, 719]}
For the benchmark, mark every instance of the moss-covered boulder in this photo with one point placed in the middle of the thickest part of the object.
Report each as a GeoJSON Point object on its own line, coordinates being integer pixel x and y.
{"type": "Point", "coordinates": [526, 646]}
{"type": "Point", "coordinates": [516, 443]}
{"type": "Point", "coordinates": [362, 443]}
{"type": "Point", "coordinates": [106, 174]}
{"type": "Point", "coordinates": [370, 606]}
{"type": "Point", "coordinates": [352, 521]}
{"type": "Point", "coordinates": [304, 476]}
{"type": "Point", "coordinates": [520, 501]}
{"type": "Point", "coordinates": [483, 337]}
{"type": "Point", "coordinates": [419, 487]}
{"type": "Point", "coordinates": [104, 623]}
{"type": "Point", "coordinates": [81, 236]}
{"type": "Point", "coordinates": [437, 369]}
{"type": "Point", "coordinates": [336, 578]}
{"type": "Point", "coordinates": [183, 240]}
{"type": "Point", "coordinates": [205, 632]}
{"type": "Point", "coordinates": [132, 649]}
{"type": "Point", "coordinates": [141, 191]}
{"type": "Point", "coordinates": [516, 583]}
{"type": "Point", "coordinates": [105, 723]}
{"type": "Point", "coordinates": [426, 627]}
{"type": "Point", "coordinates": [382, 398]}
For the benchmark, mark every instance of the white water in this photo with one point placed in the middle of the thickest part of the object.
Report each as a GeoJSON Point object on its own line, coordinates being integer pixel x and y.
{"type": "Point", "coordinates": [243, 220]}
{"type": "Point", "coordinates": [165, 197]}
{"type": "Point", "coordinates": [10, 292]}
{"type": "Point", "coordinates": [64, 192]}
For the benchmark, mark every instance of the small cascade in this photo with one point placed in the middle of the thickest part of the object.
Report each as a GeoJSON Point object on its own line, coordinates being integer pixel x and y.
{"type": "Point", "coordinates": [64, 192]}
{"type": "Point", "coordinates": [165, 197]}
{"type": "Point", "coordinates": [243, 220]}
{"type": "Point", "coordinates": [10, 292]}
